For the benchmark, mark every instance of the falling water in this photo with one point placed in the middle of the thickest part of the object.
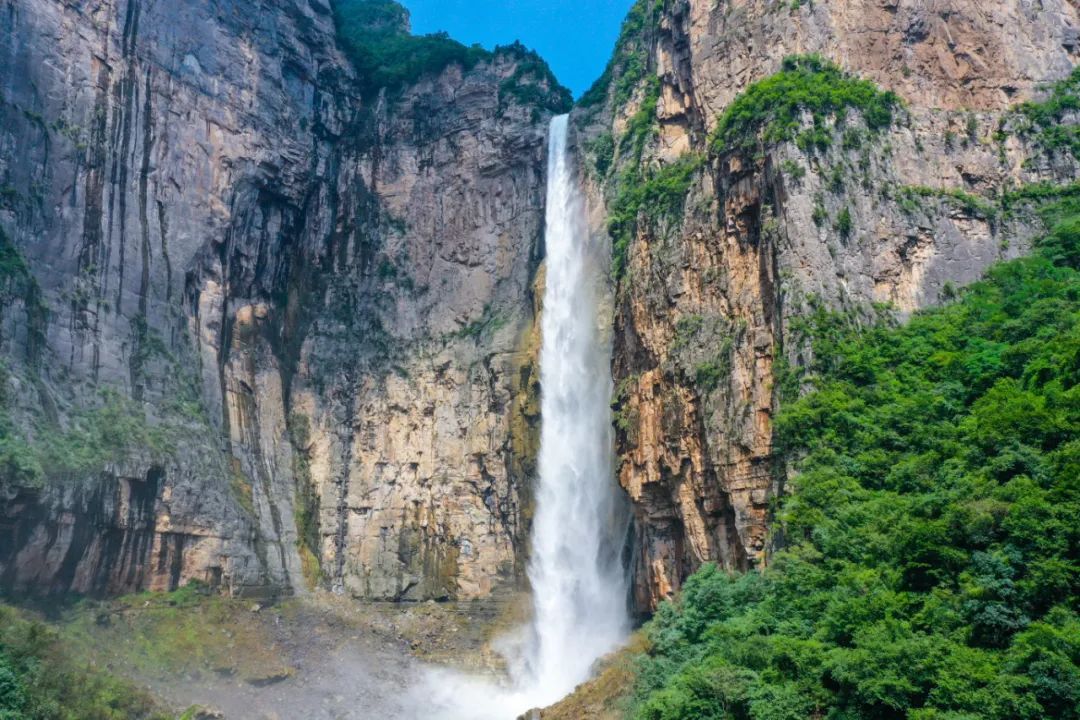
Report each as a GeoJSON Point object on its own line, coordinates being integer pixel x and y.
{"type": "Point", "coordinates": [579, 585]}
{"type": "Point", "coordinates": [578, 582]}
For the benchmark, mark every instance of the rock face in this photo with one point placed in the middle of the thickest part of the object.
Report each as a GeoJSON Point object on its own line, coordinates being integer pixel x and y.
{"type": "Point", "coordinates": [294, 323]}
{"type": "Point", "coordinates": [954, 54]}
{"type": "Point", "coordinates": [262, 329]}
{"type": "Point", "coordinates": [708, 310]}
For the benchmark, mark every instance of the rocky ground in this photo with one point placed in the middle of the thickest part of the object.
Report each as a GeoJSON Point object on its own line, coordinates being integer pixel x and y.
{"type": "Point", "coordinates": [321, 657]}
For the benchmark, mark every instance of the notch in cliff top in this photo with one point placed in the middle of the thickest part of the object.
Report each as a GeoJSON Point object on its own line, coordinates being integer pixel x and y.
{"type": "Point", "coordinates": [376, 36]}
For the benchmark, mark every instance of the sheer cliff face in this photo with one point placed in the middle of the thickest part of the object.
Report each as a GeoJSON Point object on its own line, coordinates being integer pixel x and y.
{"type": "Point", "coordinates": [957, 54]}
{"type": "Point", "coordinates": [708, 308]}
{"type": "Point", "coordinates": [260, 331]}
{"type": "Point", "coordinates": [295, 324]}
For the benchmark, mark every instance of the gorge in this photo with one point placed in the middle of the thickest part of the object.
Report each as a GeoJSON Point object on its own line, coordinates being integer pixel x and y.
{"type": "Point", "coordinates": [296, 306]}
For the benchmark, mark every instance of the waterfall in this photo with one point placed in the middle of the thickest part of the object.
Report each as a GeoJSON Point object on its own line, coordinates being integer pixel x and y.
{"type": "Point", "coordinates": [578, 582]}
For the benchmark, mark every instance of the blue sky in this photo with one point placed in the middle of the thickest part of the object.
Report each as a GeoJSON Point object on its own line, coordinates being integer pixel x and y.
{"type": "Point", "coordinates": [576, 37]}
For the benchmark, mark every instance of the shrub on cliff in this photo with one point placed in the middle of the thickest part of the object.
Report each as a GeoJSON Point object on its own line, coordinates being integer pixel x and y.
{"type": "Point", "coordinates": [1053, 122]}
{"type": "Point", "coordinates": [932, 560]}
{"type": "Point", "coordinates": [375, 34]}
{"type": "Point", "coordinates": [771, 110]}
{"type": "Point", "coordinates": [658, 194]}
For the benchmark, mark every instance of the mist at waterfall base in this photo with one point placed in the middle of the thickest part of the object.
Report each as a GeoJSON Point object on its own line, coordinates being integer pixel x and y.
{"type": "Point", "coordinates": [578, 581]}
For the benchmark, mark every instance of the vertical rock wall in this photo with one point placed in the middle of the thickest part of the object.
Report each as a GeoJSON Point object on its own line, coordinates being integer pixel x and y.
{"type": "Point", "coordinates": [708, 310]}
{"type": "Point", "coordinates": [294, 327]}
{"type": "Point", "coordinates": [315, 306]}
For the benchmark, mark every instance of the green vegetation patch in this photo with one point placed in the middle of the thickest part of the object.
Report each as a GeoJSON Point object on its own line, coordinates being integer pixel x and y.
{"type": "Point", "coordinates": [771, 110]}
{"type": "Point", "coordinates": [19, 463]}
{"type": "Point", "coordinates": [491, 320]}
{"type": "Point", "coordinates": [107, 432]}
{"type": "Point", "coordinates": [9, 196]}
{"type": "Point", "coordinates": [602, 150]}
{"type": "Point", "coordinates": [190, 631]}
{"type": "Point", "coordinates": [533, 83]}
{"type": "Point", "coordinates": [307, 502]}
{"type": "Point", "coordinates": [972, 204]}
{"type": "Point", "coordinates": [844, 223]}
{"type": "Point", "coordinates": [1053, 203]}
{"type": "Point", "coordinates": [660, 194]}
{"type": "Point", "coordinates": [109, 429]}
{"type": "Point", "coordinates": [641, 126]}
{"type": "Point", "coordinates": [629, 63]}
{"type": "Point", "coordinates": [39, 680]}
{"type": "Point", "coordinates": [375, 35]}
{"type": "Point", "coordinates": [15, 278]}
{"type": "Point", "coordinates": [1046, 120]}
{"type": "Point", "coordinates": [931, 565]}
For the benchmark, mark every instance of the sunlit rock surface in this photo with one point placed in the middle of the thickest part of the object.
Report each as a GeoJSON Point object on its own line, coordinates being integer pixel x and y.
{"type": "Point", "coordinates": [325, 299]}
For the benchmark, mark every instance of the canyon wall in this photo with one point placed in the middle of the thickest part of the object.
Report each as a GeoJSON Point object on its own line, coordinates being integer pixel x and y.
{"type": "Point", "coordinates": [266, 329]}
{"type": "Point", "coordinates": [867, 220]}
{"type": "Point", "coordinates": [258, 328]}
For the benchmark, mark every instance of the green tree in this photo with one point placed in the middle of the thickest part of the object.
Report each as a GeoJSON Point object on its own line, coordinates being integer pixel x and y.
{"type": "Point", "coordinates": [932, 560]}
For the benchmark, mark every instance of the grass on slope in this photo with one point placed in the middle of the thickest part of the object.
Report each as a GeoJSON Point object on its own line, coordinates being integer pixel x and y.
{"type": "Point", "coordinates": [932, 551]}
{"type": "Point", "coordinates": [40, 681]}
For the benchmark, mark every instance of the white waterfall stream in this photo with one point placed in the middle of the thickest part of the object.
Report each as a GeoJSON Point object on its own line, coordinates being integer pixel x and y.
{"type": "Point", "coordinates": [579, 585]}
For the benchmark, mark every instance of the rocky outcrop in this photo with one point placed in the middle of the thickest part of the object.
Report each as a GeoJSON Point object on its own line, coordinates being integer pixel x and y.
{"type": "Point", "coordinates": [708, 311]}
{"type": "Point", "coordinates": [307, 311]}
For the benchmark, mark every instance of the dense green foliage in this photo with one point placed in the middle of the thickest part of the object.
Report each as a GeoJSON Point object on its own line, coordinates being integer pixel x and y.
{"type": "Point", "coordinates": [771, 110]}
{"type": "Point", "coordinates": [39, 681]}
{"type": "Point", "coordinates": [386, 55]}
{"type": "Point", "coordinates": [932, 550]}
{"type": "Point", "coordinates": [1046, 120]}
{"type": "Point", "coordinates": [375, 34]}
{"type": "Point", "coordinates": [533, 83]}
